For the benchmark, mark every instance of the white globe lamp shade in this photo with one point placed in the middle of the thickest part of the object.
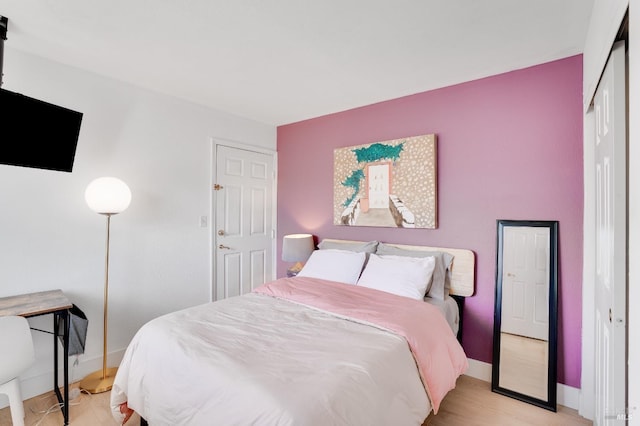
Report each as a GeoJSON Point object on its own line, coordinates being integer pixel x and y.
{"type": "Point", "coordinates": [108, 195]}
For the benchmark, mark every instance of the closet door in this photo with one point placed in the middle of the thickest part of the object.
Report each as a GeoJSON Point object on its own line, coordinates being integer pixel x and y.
{"type": "Point", "coordinates": [611, 228]}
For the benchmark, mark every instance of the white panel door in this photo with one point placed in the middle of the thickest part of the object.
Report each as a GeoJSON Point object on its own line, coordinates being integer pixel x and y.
{"type": "Point", "coordinates": [525, 282]}
{"type": "Point", "coordinates": [243, 234]}
{"type": "Point", "coordinates": [611, 256]}
{"type": "Point", "coordinates": [379, 186]}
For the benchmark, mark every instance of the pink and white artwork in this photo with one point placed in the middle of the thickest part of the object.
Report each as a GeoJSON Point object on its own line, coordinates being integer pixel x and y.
{"type": "Point", "coordinates": [389, 184]}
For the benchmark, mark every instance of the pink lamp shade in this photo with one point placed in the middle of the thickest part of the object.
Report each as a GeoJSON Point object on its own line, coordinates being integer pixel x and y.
{"type": "Point", "coordinates": [297, 247]}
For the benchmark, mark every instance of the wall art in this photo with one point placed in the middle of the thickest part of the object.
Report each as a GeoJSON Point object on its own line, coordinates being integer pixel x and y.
{"type": "Point", "coordinates": [388, 184]}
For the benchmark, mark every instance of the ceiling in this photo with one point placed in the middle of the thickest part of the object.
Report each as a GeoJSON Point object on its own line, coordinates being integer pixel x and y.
{"type": "Point", "coordinates": [282, 61]}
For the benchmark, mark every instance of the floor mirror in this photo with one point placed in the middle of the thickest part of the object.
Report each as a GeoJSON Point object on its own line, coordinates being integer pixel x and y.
{"type": "Point", "coordinates": [525, 317]}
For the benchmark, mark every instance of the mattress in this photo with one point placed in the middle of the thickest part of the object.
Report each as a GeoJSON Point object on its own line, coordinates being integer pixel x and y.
{"type": "Point", "coordinates": [449, 309]}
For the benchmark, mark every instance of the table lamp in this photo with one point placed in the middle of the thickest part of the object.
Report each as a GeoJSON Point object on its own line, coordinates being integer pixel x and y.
{"type": "Point", "coordinates": [297, 248]}
{"type": "Point", "coordinates": [107, 196]}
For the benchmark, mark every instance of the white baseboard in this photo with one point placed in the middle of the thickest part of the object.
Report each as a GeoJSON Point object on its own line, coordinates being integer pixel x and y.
{"type": "Point", "coordinates": [479, 370]}
{"type": "Point", "coordinates": [567, 396]}
{"type": "Point", "coordinates": [42, 382]}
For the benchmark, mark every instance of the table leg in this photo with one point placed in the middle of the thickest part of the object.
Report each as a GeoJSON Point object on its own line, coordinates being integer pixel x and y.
{"type": "Point", "coordinates": [64, 401]}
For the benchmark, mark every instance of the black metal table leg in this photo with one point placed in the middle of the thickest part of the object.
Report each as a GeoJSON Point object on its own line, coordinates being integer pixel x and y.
{"type": "Point", "coordinates": [64, 317]}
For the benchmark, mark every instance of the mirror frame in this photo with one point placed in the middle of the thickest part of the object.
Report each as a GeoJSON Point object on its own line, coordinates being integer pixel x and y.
{"type": "Point", "coordinates": [550, 403]}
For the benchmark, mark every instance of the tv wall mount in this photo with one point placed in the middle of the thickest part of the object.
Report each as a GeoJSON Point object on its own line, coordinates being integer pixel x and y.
{"type": "Point", "coordinates": [4, 24]}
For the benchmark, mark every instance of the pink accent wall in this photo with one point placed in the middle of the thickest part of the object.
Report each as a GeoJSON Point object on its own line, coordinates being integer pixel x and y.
{"type": "Point", "coordinates": [509, 147]}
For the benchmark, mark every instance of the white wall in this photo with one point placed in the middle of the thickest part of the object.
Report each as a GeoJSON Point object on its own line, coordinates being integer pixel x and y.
{"type": "Point", "coordinates": [606, 17]}
{"type": "Point", "coordinates": [160, 146]}
{"type": "Point", "coordinates": [634, 213]}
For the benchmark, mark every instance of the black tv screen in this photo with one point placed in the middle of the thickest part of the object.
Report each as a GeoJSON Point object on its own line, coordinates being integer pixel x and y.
{"type": "Point", "coordinates": [37, 134]}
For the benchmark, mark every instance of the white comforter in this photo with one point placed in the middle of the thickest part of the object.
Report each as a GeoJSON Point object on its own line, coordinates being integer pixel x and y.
{"type": "Point", "coordinates": [258, 360]}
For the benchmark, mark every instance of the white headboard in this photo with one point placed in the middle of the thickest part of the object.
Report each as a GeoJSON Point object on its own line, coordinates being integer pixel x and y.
{"type": "Point", "coordinates": [462, 271]}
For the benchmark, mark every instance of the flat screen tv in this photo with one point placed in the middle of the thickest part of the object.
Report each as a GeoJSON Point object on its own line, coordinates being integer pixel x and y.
{"type": "Point", "coordinates": [37, 134]}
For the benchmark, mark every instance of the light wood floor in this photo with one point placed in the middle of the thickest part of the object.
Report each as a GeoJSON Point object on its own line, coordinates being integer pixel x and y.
{"type": "Point", "coordinates": [523, 365]}
{"type": "Point", "coordinates": [471, 403]}
{"type": "Point", "coordinates": [85, 410]}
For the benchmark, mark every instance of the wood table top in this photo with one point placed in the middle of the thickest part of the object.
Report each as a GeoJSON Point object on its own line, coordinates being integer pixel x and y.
{"type": "Point", "coordinates": [32, 304]}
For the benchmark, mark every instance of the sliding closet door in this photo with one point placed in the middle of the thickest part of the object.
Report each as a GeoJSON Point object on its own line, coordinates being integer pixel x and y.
{"type": "Point", "coordinates": [611, 228]}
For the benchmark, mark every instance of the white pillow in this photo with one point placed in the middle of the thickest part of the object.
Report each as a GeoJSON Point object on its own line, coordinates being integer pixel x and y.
{"type": "Point", "coordinates": [440, 282]}
{"type": "Point", "coordinates": [404, 276]}
{"type": "Point", "coordinates": [334, 265]}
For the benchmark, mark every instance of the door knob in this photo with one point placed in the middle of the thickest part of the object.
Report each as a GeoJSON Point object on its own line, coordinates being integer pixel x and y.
{"type": "Point", "coordinates": [221, 232]}
{"type": "Point", "coordinates": [223, 247]}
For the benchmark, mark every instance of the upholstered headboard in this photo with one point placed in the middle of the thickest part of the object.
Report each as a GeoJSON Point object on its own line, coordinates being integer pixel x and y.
{"type": "Point", "coordinates": [462, 271]}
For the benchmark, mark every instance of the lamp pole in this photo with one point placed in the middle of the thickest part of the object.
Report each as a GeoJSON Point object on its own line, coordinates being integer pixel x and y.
{"type": "Point", "coordinates": [106, 301]}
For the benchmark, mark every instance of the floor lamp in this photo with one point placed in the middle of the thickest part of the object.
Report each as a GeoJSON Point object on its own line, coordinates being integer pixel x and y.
{"type": "Point", "coordinates": [107, 196]}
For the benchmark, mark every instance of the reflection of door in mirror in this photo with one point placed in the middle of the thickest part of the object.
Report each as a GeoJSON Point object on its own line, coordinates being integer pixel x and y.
{"type": "Point", "coordinates": [525, 330]}
{"type": "Point", "coordinates": [525, 307]}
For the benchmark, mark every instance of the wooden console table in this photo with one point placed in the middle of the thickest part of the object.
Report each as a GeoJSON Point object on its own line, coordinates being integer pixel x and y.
{"type": "Point", "coordinates": [42, 303]}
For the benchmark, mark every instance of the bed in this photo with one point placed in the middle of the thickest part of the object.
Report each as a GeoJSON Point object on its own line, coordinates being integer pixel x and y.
{"type": "Point", "coordinates": [326, 347]}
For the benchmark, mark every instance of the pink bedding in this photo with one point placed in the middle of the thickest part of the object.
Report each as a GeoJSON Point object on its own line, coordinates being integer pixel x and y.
{"type": "Point", "coordinates": [439, 356]}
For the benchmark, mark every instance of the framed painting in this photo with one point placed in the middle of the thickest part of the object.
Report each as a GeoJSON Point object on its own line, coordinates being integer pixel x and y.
{"type": "Point", "coordinates": [387, 184]}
